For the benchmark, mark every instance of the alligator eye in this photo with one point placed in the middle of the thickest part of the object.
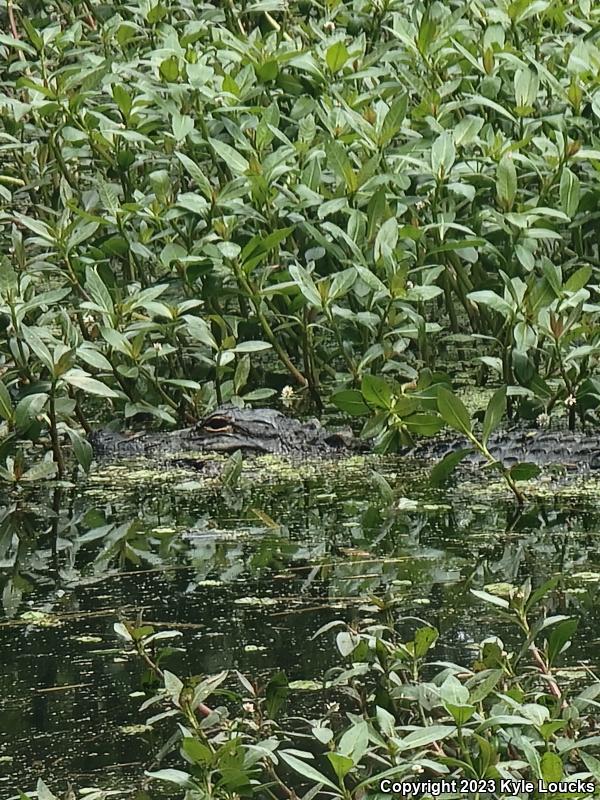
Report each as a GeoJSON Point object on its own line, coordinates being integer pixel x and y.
{"type": "Point", "coordinates": [217, 425]}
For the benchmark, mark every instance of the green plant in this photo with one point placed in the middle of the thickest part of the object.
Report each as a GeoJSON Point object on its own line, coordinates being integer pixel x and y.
{"type": "Point", "coordinates": [507, 717]}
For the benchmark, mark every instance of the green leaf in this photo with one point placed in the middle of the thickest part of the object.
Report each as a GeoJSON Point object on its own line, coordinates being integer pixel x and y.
{"type": "Point", "coordinates": [276, 694]}
{"type": "Point", "coordinates": [303, 279]}
{"type": "Point", "coordinates": [28, 409]}
{"type": "Point", "coordinates": [592, 763]}
{"type": "Point", "coordinates": [232, 469]}
{"type": "Point", "coordinates": [421, 738]}
{"type": "Point", "coordinates": [427, 32]}
{"type": "Point", "coordinates": [207, 687]}
{"type": "Point", "coordinates": [82, 449]}
{"type": "Point", "coordinates": [341, 284]}
{"type": "Point", "coordinates": [182, 125]}
{"type": "Point", "coordinates": [443, 155]}
{"type": "Point", "coordinates": [375, 211]}
{"type": "Point", "coordinates": [338, 160]}
{"type": "Point", "coordinates": [234, 160]}
{"type": "Point", "coordinates": [43, 792]}
{"type": "Point", "coordinates": [424, 424]}
{"type": "Point", "coordinates": [376, 391]}
{"type": "Point", "coordinates": [98, 291]}
{"type": "Point", "coordinates": [199, 753]}
{"type": "Point", "coordinates": [491, 299]}
{"type": "Point", "coordinates": [81, 380]}
{"type": "Point", "coordinates": [579, 279]}
{"type": "Point", "coordinates": [461, 714]}
{"type": "Point", "coordinates": [552, 767]}
{"type": "Point", "coordinates": [267, 71]}
{"type": "Point", "coordinates": [169, 69]}
{"type": "Point", "coordinates": [351, 402]}
{"type": "Point", "coordinates": [569, 192]}
{"type": "Point", "coordinates": [259, 246]}
{"type": "Point", "coordinates": [506, 182]}
{"type": "Point", "coordinates": [306, 770]}
{"type": "Point", "coordinates": [548, 729]}
{"type": "Point", "coordinates": [444, 468]}
{"type": "Point", "coordinates": [254, 346]}
{"type": "Point", "coordinates": [393, 119]}
{"type": "Point", "coordinates": [540, 592]}
{"type": "Point", "coordinates": [6, 407]}
{"type": "Point", "coordinates": [561, 634]}
{"type": "Point", "coordinates": [355, 741]}
{"type": "Point", "coordinates": [336, 56]}
{"type": "Point", "coordinates": [39, 348]}
{"type": "Point", "coordinates": [524, 471]}
{"type": "Point", "coordinates": [36, 226]}
{"type": "Point", "coordinates": [424, 638]}
{"type": "Point", "coordinates": [196, 174]}
{"type": "Point", "coordinates": [194, 203]}
{"type": "Point", "coordinates": [386, 240]}
{"type": "Point", "coordinates": [122, 98]}
{"type": "Point", "coordinates": [39, 472]}
{"type": "Point", "coordinates": [453, 691]}
{"type": "Point", "coordinates": [494, 412]}
{"type": "Point", "coordinates": [453, 411]}
{"type": "Point", "coordinates": [467, 129]}
{"type": "Point", "coordinates": [176, 776]}
{"type": "Point", "coordinates": [347, 642]}
{"type": "Point", "coordinates": [482, 689]}
{"type": "Point", "coordinates": [491, 598]}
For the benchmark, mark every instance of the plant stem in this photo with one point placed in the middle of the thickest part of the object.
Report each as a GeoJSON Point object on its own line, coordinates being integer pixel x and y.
{"type": "Point", "coordinates": [56, 449]}
{"type": "Point", "coordinates": [264, 323]}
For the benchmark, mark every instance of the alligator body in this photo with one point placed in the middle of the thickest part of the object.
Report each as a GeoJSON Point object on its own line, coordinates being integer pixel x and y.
{"type": "Point", "coordinates": [572, 450]}
{"type": "Point", "coordinates": [259, 431]}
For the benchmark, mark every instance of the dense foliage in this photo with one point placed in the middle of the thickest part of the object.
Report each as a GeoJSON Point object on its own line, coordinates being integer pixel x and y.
{"type": "Point", "coordinates": [349, 186]}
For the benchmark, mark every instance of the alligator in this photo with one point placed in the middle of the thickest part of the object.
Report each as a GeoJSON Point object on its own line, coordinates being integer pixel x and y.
{"type": "Point", "coordinates": [261, 430]}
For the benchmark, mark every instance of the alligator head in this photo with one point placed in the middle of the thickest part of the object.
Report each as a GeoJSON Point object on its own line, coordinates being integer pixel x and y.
{"type": "Point", "coordinates": [260, 430]}
{"type": "Point", "coordinates": [252, 430]}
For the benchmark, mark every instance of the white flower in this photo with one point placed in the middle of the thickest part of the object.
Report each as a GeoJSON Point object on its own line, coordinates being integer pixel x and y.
{"type": "Point", "coordinates": [157, 346]}
{"type": "Point", "coordinates": [329, 26]}
{"type": "Point", "coordinates": [420, 205]}
{"type": "Point", "coordinates": [571, 401]}
{"type": "Point", "coordinates": [409, 285]}
{"type": "Point", "coordinates": [543, 420]}
{"type": "Point", "coordinates": [417, 769]}
{"type": "Point", "coordinates": [287, 393]}
{"type": "Point", "coordinates": [332, 707]}
{"type": "Point", "coordinates": [249, 707]}
{"type": "Point", "coordinates": [88, 319]}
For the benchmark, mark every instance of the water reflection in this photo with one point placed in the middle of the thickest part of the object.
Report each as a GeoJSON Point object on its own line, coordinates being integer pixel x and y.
{"type": "Point", "coordinates": [247, 575]}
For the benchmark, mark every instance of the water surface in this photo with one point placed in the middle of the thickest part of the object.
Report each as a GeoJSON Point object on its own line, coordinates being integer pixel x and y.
{"type": "Point", "coordinates": [247, 574]}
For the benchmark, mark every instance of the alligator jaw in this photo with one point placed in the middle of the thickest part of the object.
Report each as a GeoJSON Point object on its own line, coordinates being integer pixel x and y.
{"type": "Point", "coordinates": [225, 443]}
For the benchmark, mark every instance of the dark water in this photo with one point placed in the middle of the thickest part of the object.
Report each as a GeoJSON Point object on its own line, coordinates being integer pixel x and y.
{"type": "Point", "coordinates": [246, 575]}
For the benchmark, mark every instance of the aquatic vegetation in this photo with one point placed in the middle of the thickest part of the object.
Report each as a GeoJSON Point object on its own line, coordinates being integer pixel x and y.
{"type": "Point", "coordinates": [512, 715]}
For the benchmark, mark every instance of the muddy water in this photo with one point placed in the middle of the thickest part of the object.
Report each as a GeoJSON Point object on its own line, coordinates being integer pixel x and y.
{"type": "Point", "coordinates": [246, 574]}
